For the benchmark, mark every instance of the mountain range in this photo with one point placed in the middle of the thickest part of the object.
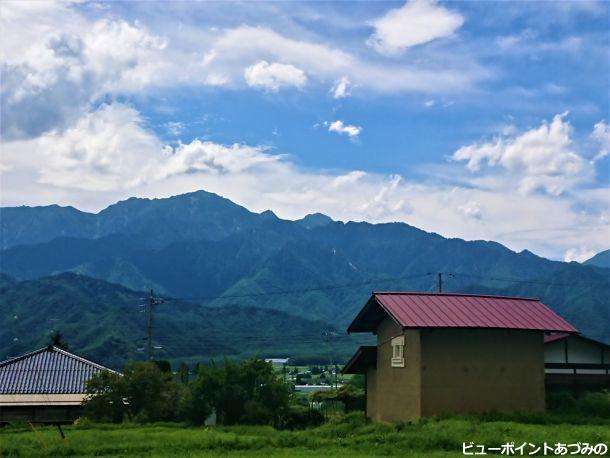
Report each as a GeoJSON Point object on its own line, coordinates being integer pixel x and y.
{"type": "Point", "coordinates": [211, 254]}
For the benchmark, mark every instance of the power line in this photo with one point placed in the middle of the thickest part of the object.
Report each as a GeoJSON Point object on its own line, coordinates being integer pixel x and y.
{"type": "Point", "coordinates": [439, 285]}
{"type": "Point", "coordinates": [304, 290]}
{"type": "Point", "coordinates": [535, 282]}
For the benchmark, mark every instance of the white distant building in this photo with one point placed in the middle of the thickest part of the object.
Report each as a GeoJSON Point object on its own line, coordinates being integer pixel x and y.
{"type": "Point", "coordinates": [313, 388]}
{"type": "Point", "coordinates": [277, 362]}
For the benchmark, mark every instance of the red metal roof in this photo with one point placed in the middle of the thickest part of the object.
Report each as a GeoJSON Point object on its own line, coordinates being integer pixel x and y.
{"type": "Point", "coordinates": [443, 310]}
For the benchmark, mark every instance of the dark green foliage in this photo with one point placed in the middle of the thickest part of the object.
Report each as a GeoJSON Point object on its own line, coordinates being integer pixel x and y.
{"type": "Point", "coordinates": [349, 396]}
{"type": "Point", "coordinates": [247, 392]}
{"type": "Point", "coordinates": [57, 340]}
{"type": "Point", "coordinates": [163, 365]}
{"type": "Point", "coordinates": [594, 404]}
{"type": "Point", "coordinates": [301, 417]}
{"type": "Point", "coordinates": [143, 393]}
{"type": "Point", "coordinates": [106, 393]}
{"type": "Point", "coordinates": [560, 401]}
{"type": "Point", "coordinates": [589, 404]}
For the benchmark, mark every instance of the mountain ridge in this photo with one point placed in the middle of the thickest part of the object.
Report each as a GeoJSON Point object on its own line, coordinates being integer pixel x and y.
{"type": "Point", "coordinates": [202, 246]}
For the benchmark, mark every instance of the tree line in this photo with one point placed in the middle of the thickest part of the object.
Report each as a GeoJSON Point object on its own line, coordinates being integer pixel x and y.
{"type": "Point", "coordinates": [245, 392]}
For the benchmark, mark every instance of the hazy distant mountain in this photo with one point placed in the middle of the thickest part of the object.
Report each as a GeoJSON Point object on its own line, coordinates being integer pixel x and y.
{"type": "Point", "coordinates": [601, 259]}
{"type": "Point", "coordinates": [206, 248]}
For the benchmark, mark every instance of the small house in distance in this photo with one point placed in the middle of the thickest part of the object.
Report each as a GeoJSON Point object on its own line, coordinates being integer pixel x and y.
{"type": "Point", "coordinates": [452, 353]}
{"type": "Point", "coordinates": [44, 386]}
{"type": "Point", "coordinates": [576, 362]}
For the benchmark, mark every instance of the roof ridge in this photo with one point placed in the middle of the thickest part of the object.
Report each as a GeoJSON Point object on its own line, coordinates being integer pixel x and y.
{"type": "Point", "coordinates": [79, 358]}
{"type": "Point", "coordinates": [421, 293]}
{"type": "Point", "coordinates": [57, 350]}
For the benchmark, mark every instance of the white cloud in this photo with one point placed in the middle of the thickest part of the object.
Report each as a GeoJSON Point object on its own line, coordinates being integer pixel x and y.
{"type": "Point", "coordinates": [57, 61]}
{"type": "Point", "coordinates": [341, 88]}
{"type": "Point", "coordinates": [109, 154]}
{"type": "Point", "coordinates": [578, 254]}
{"type": "Point", "coordinates": [528, 41]}
{"type": "Point", "coordinates": [601, 137]}
{"type": "Point", "coordinates": [238, 47]}
{"type": "Point", "coordinates": [541, 158]}
{"type": "Point", "coordinates": [56, 76]}
{"type": "Point", "coordinates": [110, 149]}
{"type": "Point", "coordinates": [274, 76]}
{"type": "Point", "coordinates": [471, 209]}
{"type": "Point", "coordinates": [174, 128]}
{"type": "Point", "coordinates": [415, 23]}
{"type": "Point", "coordinates": [340, 128]}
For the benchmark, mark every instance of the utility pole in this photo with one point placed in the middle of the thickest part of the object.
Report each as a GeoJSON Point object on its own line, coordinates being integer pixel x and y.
{"type": "Point", "coordinates": [440, 282]}
{"type": "Point", "coordinates": [152, 301]}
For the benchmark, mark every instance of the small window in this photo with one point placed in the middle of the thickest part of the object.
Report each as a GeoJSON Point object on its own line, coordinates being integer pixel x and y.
{"type": "Point", "coordinates": [398, 351]}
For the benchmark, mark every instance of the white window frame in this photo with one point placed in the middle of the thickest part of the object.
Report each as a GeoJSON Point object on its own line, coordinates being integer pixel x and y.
{"type": "Point", "coordinates": [398, 351]}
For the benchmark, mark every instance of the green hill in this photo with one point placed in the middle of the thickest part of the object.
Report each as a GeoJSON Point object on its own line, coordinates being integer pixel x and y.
{"type": "Point", "coordinates": [103, 321]}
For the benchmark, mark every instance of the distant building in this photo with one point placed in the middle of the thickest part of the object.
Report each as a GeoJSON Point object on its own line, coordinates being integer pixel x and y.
{"type": "Point", "coordinates": [277, 362]}
{"type": "Point", "coordinates": [44, 386]}
{"type": "Point", "coordinates": [452, 353]}
{"type": "Point", "coordinates": [576, 362]}
{"type": "Point", "coordinates": [313, 388]}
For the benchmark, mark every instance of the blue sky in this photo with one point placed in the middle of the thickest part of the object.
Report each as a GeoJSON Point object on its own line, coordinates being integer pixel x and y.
{"type": "Point", "coordinates": [480, 120]}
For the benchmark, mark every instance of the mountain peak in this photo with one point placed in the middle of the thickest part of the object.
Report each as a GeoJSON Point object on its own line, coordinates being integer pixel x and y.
{"type": "Point", "coordinates": [314, 220]}
{"type": "Point", "coordinates": [268, 214]}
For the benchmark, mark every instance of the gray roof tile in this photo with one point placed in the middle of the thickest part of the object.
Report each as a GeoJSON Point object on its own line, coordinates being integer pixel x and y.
{"type": "Point", "coordinates": [49, 370]}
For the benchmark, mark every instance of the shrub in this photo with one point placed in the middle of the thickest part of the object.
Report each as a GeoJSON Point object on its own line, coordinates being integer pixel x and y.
{"type": "Point", "coordinates": [595, 404]}
{"type": "Point", "coordinates": [299, 417]}
{"type": "Point", "coordinates": [561, 401]}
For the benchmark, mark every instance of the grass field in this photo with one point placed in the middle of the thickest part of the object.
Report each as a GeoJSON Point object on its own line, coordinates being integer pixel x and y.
{"type": "Point", "coordinates": [351, 436]}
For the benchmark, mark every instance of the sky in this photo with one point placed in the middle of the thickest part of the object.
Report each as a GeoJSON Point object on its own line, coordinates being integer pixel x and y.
{"type": "Point", "coordinates": [472, 119]}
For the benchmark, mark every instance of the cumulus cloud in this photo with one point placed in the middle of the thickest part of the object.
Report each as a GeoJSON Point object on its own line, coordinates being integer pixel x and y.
{"type": "Point", "coordinates": [601, 137]}
{"type": "Point", "coordinates": [341, 88]}
{"type": "Point", "coordinates": [110, 148]}
{"type": "Point", "coordinates": [415, 23]}
{"type": "Point", "coordinates": [343, 129]}
{"type": "Point", "coordinates": [542, 158]}
{"type": "Point", "coordinates": [57, 76]}
{"type": "Point", "coordinates": [274, 76]}
{"type": "Point", "coordinates": [58, 61]}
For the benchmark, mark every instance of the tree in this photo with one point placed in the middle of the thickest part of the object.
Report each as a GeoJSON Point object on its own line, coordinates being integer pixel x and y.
{"type": "Point", "coordinates": [143, 393]}
{"type": "Point", "coordinates": [57, 340]}
{"type": "Point", "coordinates": [105, 400]}
{"type": "Point", "coordinates": [151, 392]}
{"type": "Point", "coordinates": [246, 392]}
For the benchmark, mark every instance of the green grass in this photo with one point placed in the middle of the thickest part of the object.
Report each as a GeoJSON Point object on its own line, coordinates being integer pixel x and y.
{"type": "Point", "coordinates": [351, 436]}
